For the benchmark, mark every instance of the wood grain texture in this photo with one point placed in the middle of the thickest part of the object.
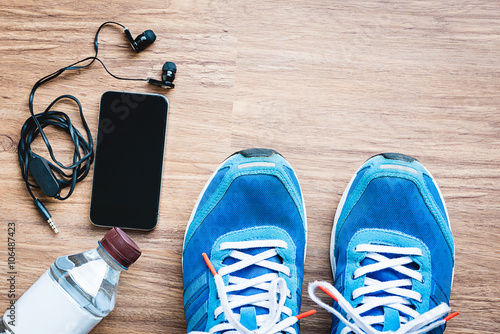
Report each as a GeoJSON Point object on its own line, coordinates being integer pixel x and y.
{"type": "Point", "coordinates": [327, 84]}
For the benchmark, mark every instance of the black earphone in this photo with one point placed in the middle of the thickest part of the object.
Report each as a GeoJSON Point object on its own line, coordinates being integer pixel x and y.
{"type": "Point", "coordinates": [142, 41]}
{"type": "Point", "coordinates": [168, 75]}
{"type": "Point", "coordinates": [169, 69]}
{"type": "Point", "coordinates": [52, 176]}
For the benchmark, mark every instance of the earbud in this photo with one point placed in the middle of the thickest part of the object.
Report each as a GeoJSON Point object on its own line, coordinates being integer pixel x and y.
{"type": "Point", "coordinates": [167, 77]}
{"type": "Point", "coordinates": [142, 41]}
{"type": "Point", "coordinates": [168, 73]}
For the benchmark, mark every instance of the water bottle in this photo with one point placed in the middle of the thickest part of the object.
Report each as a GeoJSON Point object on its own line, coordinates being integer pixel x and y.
{"type": "Point", "coordinates": [76, 292]}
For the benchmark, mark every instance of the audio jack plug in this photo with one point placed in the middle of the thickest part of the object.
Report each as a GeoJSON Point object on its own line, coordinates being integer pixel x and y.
{"type": "Point", "coordinates": [45, 214]}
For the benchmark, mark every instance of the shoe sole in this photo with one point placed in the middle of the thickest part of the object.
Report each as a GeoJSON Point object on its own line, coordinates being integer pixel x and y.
{"type": "Point", "coordinates": [390, 156]}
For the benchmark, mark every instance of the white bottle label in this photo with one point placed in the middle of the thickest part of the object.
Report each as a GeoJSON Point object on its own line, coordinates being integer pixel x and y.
{"type": "Point", "coordinates": [47, 309]}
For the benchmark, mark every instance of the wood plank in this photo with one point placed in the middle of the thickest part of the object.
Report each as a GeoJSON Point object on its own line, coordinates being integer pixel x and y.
{"type": "Point", "coordinates": [328, 84]}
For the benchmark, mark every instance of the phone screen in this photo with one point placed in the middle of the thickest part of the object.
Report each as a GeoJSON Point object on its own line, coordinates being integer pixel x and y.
{"type": "Point", "coordinates": [129, 160]}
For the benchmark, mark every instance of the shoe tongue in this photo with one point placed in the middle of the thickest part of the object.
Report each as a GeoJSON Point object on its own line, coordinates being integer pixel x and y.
{"type": "Point", "coordinates": [248, 273]}
{"type": "Point", "coordinates": [391, 319]}
{"type": "Point", "coordinates": [391, 316]}
{"type": "Point", "coordinates": [248, 317]}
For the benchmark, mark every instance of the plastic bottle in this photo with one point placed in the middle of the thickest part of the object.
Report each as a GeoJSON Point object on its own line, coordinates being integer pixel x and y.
{"type": "Point", "coordinates": [76, 292]}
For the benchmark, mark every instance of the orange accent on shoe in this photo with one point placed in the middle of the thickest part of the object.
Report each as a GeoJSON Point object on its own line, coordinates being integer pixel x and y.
{"type": "Point", "coordinates": [451, 316]}
{"type": "Point", "coordinates": [209, 264]}
{"type": "Point", "coordinates": [305, 314]}
{"type": "Point", "coordinates": [325, 290]}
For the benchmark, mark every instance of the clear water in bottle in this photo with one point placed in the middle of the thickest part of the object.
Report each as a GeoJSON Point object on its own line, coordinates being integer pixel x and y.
{"type": "Point", "coordinates": [76, 292]}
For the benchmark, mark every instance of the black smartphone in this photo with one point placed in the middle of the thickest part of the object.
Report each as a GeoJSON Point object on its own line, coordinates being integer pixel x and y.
{"type": "Point", "coordinates": [128, 163]}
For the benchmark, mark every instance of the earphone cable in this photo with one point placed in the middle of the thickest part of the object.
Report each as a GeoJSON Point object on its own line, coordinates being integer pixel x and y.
{"type": "Point", "coordinates": [83, 152]}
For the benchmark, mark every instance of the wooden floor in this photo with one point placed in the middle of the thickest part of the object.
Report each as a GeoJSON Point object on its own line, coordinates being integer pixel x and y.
{"type": "Point", "coordinates": [326, 83]}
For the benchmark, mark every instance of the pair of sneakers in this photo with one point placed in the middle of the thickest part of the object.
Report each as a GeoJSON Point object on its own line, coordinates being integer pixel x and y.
{"type": "Point", "coordinates": [392, 251]}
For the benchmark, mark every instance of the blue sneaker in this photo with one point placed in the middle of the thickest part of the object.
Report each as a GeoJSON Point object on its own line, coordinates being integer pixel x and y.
{"type": "Point", "coordinates": [392, 251]}
{"type": "Point", "coordinates": [250, 221]}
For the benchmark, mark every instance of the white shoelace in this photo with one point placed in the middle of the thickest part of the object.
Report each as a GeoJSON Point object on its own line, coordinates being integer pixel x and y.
{"type": "Point", "coordinates": [273, 298]}
{"type": "Point", "coordinates": [395, 295]}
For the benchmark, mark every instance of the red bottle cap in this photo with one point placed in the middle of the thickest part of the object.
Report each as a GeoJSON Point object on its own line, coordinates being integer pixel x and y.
{"type": "Point", "coordinates": [119, 245]}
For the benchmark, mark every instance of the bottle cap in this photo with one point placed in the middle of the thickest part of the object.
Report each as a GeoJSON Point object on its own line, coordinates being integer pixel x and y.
{"type": "Point", "coordinates": [119, 245]}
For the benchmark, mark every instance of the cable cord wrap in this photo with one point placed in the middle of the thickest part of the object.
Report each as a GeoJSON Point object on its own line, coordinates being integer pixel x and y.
{"type": "Point", "coordinates": [83, 153]}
